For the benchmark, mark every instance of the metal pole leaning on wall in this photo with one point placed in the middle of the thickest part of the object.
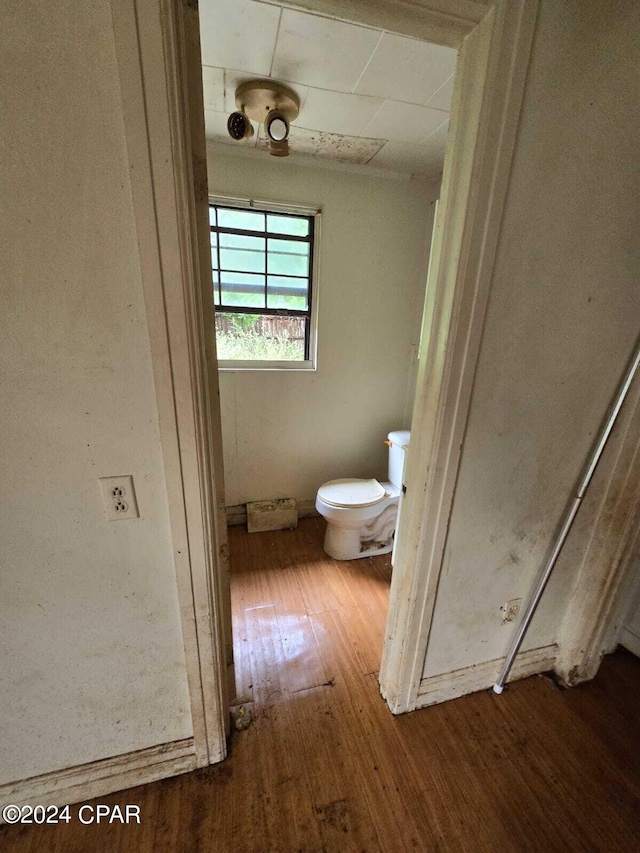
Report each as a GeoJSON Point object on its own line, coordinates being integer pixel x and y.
{"type": "Point", "coordinates": [567, 522]}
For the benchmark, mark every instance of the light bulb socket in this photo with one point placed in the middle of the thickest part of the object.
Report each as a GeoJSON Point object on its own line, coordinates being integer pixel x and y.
{"type": "Point", "coordinates": [276, 126]}
{"type": "Point", "coordinates": [239, 127]}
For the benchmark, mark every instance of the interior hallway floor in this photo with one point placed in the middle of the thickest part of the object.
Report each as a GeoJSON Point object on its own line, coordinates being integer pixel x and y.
{"type": "Point", "coordinates": [324, 766]}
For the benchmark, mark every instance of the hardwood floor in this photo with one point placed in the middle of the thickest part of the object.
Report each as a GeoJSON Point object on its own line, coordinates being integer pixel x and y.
{"type": "Point", "coordinates": [324, 766]}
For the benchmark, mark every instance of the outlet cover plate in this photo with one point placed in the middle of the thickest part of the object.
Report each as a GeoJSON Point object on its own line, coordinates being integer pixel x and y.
{"type": "Point", "coordinates": [510, 610]}
{"type": "Point", "coordinates": [119, 497]}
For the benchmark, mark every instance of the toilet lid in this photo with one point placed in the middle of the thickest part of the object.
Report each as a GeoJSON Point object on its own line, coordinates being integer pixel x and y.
{"type": "Point", "coordinates": [351, 492]}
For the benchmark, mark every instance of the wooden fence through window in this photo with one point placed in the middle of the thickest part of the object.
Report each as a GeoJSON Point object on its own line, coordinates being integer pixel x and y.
{"type": "Point", "coordinates": [264, 326]}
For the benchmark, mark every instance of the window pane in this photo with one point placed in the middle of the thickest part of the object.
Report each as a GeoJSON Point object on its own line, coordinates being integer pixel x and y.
{"type": "Point", "coordinates": [288, 257]}
{"type": "Point", "coordinates": [288, 225]}
{"type": "Point", "coordinates": [290, 293]}
{"type": "Point", "coordinates": [242, 219]}
{"type": "Point", "coordinates": [243, 254]}
{"type": "Point", "coordinates": [253, 271]}
{"type": "Point", "coordinates": [257, 337]}
{"type": "Point", "coordinates": [214, 250]}
{"type": "Point", "coordinates": [243, 289]}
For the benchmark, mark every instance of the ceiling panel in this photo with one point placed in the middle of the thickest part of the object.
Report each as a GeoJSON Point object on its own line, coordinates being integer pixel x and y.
{"type": "Point", "coordinates": [441, 100]}
{"type": "Point", "coordinates": [406, 69]}
{"type": "Point", "coordinates": [322, 52]}
{"type": "Point", "coordinates": [437, 142]}
{"type": "Point", "coordinates": [213, 88]}
{"type": "Point", "coordinates": [238, 34]}
{"type": "Point", "coordinates": [343, 149]}
{"type": "Point", "coordinates": [425, 158]}
{"type": "Point", "coordinates": [336, 112]}
{"type": "Point", "coordinates": [405, 122]}
{"type": "Point", "coordinates": [366, 97]}
{"type": "Point", "coordinates": [400, 156]}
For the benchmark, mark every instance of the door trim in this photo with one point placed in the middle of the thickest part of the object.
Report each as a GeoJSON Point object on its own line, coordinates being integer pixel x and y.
{"type": "Point", "coordinates": [604, 580]}
{"type": "Point", "coordinates": [165, 142]}
{"type": "Point", "coordinates": [487, 99]}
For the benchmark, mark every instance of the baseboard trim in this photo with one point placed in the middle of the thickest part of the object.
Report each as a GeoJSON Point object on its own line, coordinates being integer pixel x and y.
{"type": "Point", "coordinates": [237, 515]}
{"type": "Point", "coordinates": [451, 685]}
{"type": "Point", "coordinates": [97, 778]}
{"type": "Point", "coordinates": [630, 641]}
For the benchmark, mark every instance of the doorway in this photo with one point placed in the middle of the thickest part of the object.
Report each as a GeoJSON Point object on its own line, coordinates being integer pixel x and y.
{"type": "Point", "coordinates": [493, 43]}
{"type": "Point", "coordinates": [319, 264]}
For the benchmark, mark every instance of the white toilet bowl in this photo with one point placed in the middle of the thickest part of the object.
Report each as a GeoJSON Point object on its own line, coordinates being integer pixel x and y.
{"type": "Point", "coordinates": [359, 530]}
{"type": "Point", "coordinates": [362, 514]}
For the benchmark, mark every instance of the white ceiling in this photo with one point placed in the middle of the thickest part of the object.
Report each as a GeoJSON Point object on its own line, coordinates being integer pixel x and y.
{"type": "Point", "coordinates": [367, 96]}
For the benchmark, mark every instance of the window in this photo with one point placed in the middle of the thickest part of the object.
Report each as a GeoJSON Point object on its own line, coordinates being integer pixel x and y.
{"type": "Point", "coordinates": [262, 257]}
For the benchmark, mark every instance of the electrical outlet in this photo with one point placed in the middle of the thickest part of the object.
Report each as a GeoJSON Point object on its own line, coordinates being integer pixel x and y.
{"type": "Point", "coordinates": [119, 497]}
{"type": "Point", "coordinates": [510, 610]}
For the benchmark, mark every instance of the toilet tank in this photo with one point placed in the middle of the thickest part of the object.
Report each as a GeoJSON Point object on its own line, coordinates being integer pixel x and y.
{"type": "Point", "coordinates": [398, 444]}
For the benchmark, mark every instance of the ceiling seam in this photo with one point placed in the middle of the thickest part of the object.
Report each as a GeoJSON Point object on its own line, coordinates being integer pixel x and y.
{"type": "Point", "coordinates": [275, 42]}
{"type": "Point", "coordinates": [366, 65]}
{"type": "Point", "coordinates": [426, 103]}
{"type": "Point", "coordinates": [373, 118]}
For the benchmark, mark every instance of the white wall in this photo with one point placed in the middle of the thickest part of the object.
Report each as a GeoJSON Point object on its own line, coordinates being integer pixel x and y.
{"type": "Point", "coordinates": [285, 433]}
{"type": "Point", "coordinates": [93, 663]}
{"type": "Point", "coordinates": [629, 635]}
{"type": "Point", "coordinates": [561, 324]}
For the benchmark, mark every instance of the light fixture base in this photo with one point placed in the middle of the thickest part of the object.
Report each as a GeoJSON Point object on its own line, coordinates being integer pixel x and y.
{"type": "Point", "coordinates": [258, 97]}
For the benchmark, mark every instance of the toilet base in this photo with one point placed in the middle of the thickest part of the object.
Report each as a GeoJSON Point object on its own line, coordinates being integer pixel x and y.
{"type": "Point", "coordinates": [371, 540]}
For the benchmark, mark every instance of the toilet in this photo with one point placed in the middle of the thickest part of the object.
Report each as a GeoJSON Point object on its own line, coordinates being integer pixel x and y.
{"type": "Point", "coordinates": [362, 514]}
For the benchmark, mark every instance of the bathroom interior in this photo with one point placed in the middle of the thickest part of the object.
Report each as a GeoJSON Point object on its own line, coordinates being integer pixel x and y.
{"type": "Point", "coordinates": [325, 149]}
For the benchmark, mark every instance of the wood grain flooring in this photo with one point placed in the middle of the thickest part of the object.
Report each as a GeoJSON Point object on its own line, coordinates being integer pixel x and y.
{"type": "Point", "coordinates": [324, 766]}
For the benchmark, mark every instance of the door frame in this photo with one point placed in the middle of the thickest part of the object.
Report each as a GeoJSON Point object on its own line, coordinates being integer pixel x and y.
{"type": "Point", "coordinates": [489, 87]}
{"type": "Point", "coordinates": [158, 54]}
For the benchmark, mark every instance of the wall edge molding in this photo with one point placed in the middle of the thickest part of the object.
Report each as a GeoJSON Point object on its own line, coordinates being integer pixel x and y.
{"type": "Point", "coordinates": [97, 778]}
{"type": "Point", "coordinates": [460, 682]}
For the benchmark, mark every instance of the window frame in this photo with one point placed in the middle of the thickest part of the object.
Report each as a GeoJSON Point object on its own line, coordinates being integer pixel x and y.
{"type": "Point", "coordinates": [314, 212]}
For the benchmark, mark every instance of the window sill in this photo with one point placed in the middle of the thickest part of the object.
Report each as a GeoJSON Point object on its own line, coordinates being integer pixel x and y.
{"type": "Point", "coordinates": [233, 366]}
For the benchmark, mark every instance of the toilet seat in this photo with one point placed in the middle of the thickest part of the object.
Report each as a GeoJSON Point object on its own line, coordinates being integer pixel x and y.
{"type": "Point", "coordinates": [351, 493]}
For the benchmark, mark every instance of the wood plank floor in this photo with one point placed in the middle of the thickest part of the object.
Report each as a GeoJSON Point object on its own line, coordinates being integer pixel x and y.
{"type": "Point", "coordinates": [325, 767]}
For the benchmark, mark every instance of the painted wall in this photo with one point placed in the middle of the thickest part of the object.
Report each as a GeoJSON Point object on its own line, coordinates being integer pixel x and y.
{"type": "Point", "coordinates": [285, 433]}
{"type": "Point", "coordinates": [561, 324]}
{"type": "Point", "coordinates": [93, 664]}
{"type": "Point", "coordinates": [629, 633]}
{"type": "Point", "coordinates": [630, 637]}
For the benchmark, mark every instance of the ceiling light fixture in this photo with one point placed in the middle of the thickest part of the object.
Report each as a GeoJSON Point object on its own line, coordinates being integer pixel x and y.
{"type": "Point", "coordinates": [268, 103]}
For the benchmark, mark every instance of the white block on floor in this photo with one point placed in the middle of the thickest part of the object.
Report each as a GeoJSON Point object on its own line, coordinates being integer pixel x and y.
{"type": "Point", "coordinates": [280, 514]}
